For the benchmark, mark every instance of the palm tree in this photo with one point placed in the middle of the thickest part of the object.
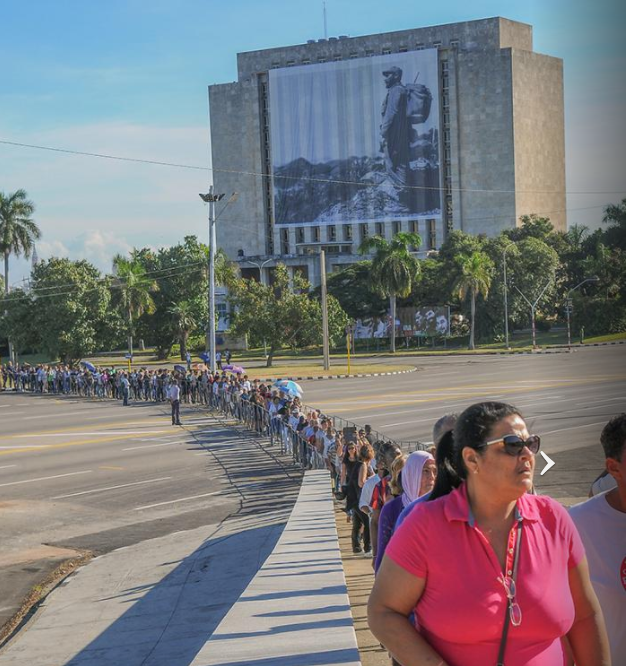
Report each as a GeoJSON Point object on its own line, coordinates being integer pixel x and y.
{"type": "Point", "coordinates": [18, 232]}
{"type": "Point", "coordinates": [184, 322]}
{"type": "Point", "coordinates": [136, 287]}
{"type": "Point", "coordinates": [394, 269]}
{"type": "Point", "coordinates": [475, 278]}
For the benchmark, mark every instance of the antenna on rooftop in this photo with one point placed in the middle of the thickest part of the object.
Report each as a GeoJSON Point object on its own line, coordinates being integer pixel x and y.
{"type": "Point", "coordinates": [325, 23]}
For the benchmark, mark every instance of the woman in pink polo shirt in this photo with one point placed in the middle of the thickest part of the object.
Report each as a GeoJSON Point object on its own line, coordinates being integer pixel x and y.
{"type": "Point", "coordinates": [493, 575]}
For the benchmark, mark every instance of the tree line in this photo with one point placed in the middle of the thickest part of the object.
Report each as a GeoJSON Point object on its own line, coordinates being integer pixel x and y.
{"type": "Point", "coordinates": [69, 309]}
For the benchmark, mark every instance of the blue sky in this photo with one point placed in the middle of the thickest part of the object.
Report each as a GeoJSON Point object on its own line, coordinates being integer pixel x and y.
{"type": "Point", "coordinates": [129, 77]}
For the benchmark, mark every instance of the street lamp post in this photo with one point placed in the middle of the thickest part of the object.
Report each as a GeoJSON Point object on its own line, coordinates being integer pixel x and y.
{"type": "Point", "coordinates": [568, 306]}
{"type": "Point", "coordinates": [506, 299]}
{"type": "Point", "coordinates": [533, 306]}
{"type": "Point", "coordinates": [211, 198]}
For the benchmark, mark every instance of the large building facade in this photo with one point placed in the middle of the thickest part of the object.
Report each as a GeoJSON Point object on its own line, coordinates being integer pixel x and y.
{"type": "Point", "coordinates": [433, 129]}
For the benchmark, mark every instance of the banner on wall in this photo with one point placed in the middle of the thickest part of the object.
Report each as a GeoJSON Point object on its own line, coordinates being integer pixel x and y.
{"type": "Point", "coordinates": [356, 140]}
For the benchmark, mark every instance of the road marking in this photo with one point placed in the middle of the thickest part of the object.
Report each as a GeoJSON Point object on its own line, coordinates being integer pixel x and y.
{"type": "Point", "coordinates": [104, 433]}
{"type": "Point", "coordinates": [590, 402]}
{"type": "Point", "coordinates": [391, 425]}
{"type": "Point", "coordinates": [182, 499]}
{"type": "Point", "coordinates": [117, 469]}
{"type": "Point", "coordinates": [588, 425]}
{"type": "Point", "coordinates": [7, 466]}
{"type": "Point", "coordinates": [155, 422]}
{"type": "Point", "coordinates": [45, 478]}
{"type": "Point", "coordinates": [101, 490]}
{"type": "Point", "coordinates": [59, 414]}
{"type": "Point", "coordinates": [154, 446]}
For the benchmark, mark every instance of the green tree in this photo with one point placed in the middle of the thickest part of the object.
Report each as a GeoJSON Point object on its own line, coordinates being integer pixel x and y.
{"type": "Point", "coordinates": [475, 279]}
{"type": "Point", "coordinates": [181, 271]}
{"type": "Point", "coordinates": [18, 324]}
{"type": "Point", "coordinates": [615, 218]}
{"type": "Point", "coordinates": [71, 308]}
{"type": "Point", "coordinates": [18, 231]}
{"type": "Point", "coordinates": [394, 269]}
{"type": "Point", "coordinates": [274, 313]}
{"type": "Point", "coordinates": [350, 286]}
{"type": "Point", "coordinates": [135, 288]}
{"type": "Point", "coordinates": [184, 322]}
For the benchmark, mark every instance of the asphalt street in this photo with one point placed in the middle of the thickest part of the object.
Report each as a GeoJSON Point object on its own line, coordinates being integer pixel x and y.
{"type": "Point", "coordinates": [566, 398]}
{"type": "Point", "coordinates": [79, 475]}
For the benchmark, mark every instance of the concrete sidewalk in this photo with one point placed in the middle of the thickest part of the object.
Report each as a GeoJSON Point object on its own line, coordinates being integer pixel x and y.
{"type": "Point", "coordinates": [262, 588]}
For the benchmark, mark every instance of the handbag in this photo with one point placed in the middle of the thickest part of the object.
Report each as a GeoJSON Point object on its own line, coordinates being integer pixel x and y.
{"type": "Point", "coordinates": [507, 612]}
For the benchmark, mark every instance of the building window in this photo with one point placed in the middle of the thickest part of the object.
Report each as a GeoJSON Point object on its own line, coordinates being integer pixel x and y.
{"type": "Point", "coordinates": [299, 235]}
{"type": "Point", "coordinates": [284, 241]}
{"type": "Point", "coordinates": [369, 53]}
{"type": "Point", "coordinates": [403, 49]}
{"type": "Point", "coordinates": [444, 66]}
{"type": "Point", "coordinates": [306, 61]}
{"type": "Point", "coordinates": [436, 45]}
{"type": "Point", "coordinates": [347, 232]}
{"type": "Point", "coordinates": [419, 47]}
{"type": "Point", "coordinates": [414, 229]}
{"type": "Point", "coordinates": [291, 63]}
{"type": "Point", "coordinates": [364, 232]}
{"type": "Point", "coordinates": [396, 228]}
{"type": "Point", "coordinates": [354, 55]}
{"type": "Point", "coordinates": [315, 234]}
{"type": "Point", "coordinates": [321, 60]}
{"type": "Point", "coordinates": [379, 229]}
{"type": "Point", "coordinates": [454, 43]}
{"type": "Point", "coordinates": [337, 57]}
{"type": "Point", "coordinates": [432, 234]}
{"type": "Point", "coordinates": [332, 233]}
{"type": "Point", "coordinates": [275, 65]}
{"type": "Point", "coordinates": [386, 51]}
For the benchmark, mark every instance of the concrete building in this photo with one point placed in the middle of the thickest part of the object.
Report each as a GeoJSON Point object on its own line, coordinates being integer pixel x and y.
{"type": "Point", "coordinates": [501, 142]}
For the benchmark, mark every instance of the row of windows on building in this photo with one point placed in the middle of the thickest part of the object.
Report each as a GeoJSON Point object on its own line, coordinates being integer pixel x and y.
{"type": "Point", "coordinates": [453, 44]}
{"type": "Point", "coordinates": [314, 234]}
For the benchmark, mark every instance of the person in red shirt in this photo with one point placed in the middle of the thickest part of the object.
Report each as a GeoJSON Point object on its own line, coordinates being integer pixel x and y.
{"type": "Point", "coordinates": [492, 573]}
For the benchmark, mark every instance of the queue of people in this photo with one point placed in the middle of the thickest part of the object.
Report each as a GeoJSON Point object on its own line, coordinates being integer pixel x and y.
{"type": "Point", "coordinates": [473, 567]}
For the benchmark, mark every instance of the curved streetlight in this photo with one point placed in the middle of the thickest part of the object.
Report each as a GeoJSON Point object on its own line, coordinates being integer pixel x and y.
{"type": "Point", "coordinates": [568, 307]}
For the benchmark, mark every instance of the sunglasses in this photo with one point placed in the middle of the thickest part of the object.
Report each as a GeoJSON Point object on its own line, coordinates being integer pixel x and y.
{"type": "Point", "coordinates": [514, 444]}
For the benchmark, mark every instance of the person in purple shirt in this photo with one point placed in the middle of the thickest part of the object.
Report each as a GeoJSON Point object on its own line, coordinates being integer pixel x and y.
{"type": "Point", "coordinates": [417, 478]}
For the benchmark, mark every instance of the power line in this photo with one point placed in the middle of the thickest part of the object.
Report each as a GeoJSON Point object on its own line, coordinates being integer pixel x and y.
{"type": "Point", "coordinates": [258, 174]}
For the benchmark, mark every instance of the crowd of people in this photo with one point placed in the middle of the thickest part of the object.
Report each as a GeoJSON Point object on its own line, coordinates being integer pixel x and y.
{"type": "Point", "coordinates": [472, 566]}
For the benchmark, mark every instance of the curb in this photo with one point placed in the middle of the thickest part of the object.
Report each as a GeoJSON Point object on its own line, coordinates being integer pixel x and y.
{"type": "Point", "coordinates": [370, 374]}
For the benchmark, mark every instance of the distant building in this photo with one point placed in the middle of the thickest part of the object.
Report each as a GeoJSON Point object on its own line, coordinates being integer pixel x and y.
{"type": "Point", "coordinates": [457, 126]}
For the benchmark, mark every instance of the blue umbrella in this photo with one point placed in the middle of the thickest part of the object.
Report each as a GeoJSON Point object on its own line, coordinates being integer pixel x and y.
{"type": "Point", "coordinates": [289, 387]}
{"type": "Point", "coordinates": [180, 368]}
{"type": "Point", "coordinates": [89, 366]}
{"type": "Point", "coordinates": [205, 357]}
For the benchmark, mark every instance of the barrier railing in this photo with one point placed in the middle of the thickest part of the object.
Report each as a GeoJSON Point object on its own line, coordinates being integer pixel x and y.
{"type": "Point", "coordinates": [291, 442]}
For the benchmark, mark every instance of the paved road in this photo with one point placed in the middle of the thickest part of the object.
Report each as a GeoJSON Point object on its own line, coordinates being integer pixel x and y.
{"type": "Point", "coordinates": [80, 475]}
{"type": "Point", "coordinates": [566, 398]}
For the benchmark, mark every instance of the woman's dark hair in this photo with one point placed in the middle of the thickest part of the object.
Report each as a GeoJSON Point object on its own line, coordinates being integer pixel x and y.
{"type": "Point", "coordinates": [346, 453]}
{"type": "Point", "coordinates": [471, 430]}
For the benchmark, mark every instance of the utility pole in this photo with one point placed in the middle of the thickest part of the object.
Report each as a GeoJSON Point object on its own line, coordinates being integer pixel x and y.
{"type": "Point", "coordinates": [568, 307]}
{"type": "Point", "coordinates": [211, 198]}
{"type": "Point", "coordinates": [506, 300]}
{"type": "Point", "coordinates": [324, 310]}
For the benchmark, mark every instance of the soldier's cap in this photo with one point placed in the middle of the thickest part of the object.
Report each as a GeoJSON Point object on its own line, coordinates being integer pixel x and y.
{"type": "Point", "coordinates": [393, 70]}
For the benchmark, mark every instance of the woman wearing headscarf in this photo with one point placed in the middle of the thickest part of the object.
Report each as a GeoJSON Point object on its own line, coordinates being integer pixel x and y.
{"type": "Point", "coordinates": [416, 478]}
{"type": "Point", "coordinates": [492, 573]}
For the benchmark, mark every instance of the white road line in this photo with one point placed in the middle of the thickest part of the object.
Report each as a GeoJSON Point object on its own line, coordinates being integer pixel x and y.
{"type": "Point", "coordinates": [590, 402]}
{"type": "Point", "coordinates": [101, 490]}
{"type": "Point", "coordinates": [588, 425]}
{"type": "Point", "coordinates": [7, 466]}
{"type": "Point", "coordinates": [154, 446]}
{"type": "Point", "coordinates": [182, 499]}
{"type": "Point", "coordinates": [59, 414]}
{"type": "Point", "coordinates": [45, 478]}
{"type": "Point", "coordinates": [101, 433]}
{"type": "Point", "coordinates": [392, 425]}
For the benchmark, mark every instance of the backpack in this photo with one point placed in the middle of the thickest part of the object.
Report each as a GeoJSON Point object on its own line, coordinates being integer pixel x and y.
{"type": "Point", "coordinates": [418, 103]}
